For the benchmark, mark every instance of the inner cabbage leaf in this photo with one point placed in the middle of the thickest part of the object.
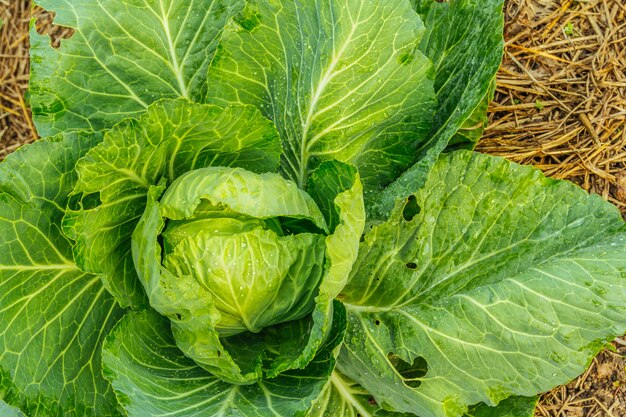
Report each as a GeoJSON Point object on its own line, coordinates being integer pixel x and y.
{"type": "Point", "coordinates": [232, 297]}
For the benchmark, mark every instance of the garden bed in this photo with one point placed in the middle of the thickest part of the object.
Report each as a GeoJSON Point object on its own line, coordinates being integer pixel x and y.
{"type": "Point", "coordinates": [560, 105]}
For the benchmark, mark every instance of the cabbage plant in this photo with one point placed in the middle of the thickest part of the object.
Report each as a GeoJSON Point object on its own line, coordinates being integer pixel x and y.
{"type": "Point", "coordinates": [270, 208]}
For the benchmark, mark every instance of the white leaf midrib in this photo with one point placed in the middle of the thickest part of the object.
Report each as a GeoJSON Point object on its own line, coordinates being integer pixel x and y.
{"type": "Point", "coordinates": [326, 78]}
{"type": "Point", "coordinates": [164, 18]}
{"type": "Point", "coordinates": [344, 392]}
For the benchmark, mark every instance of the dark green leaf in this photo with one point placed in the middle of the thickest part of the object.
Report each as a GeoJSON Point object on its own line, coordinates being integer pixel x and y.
{"type": "Point", "coordinates": [341, 80]}
{"type": "Point", "coordinates": [511, 407]}
{"type": "Point", "coordinates": [123, 56]}
{"type": "Point", "coordinates": [463, 39]}
{"type": "Point", "coordinates": [53, 316]}
{"type": "Point", "coordinates": [173, 137]}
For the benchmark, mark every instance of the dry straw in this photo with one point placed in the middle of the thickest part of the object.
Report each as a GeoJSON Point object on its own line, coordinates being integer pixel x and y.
{"type": "Point", "coordinates": [561, 98]}
{"type": "Point", "coordinates": [16, 127]}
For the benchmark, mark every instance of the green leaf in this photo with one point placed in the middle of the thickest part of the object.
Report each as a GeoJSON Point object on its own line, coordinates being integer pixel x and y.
{"type": "Point", "coordinates": [503, 281]}
{"type": "Point", "coordinates": [343, 397]}
{"type": "Point", "coordinates": [341, 80]}
{"type": "Point", "coordinates": [463, 38]}
{"type": "Point", "coordinates": [261, 196]}
{"type": "Point", "coordinates": [122, 57]}
{"type": "Point", "coordinates": [171, 138]}
{"type": "Point", "coordinates": [510, 407]}
{"type": "Point", "coordinates": [153, 378]}
{"type": "Point", "coordinates": [472, 129]}
{"type": "Point", "coordinates": [53, 316]}
{"type": "Point", "coordinates": [337, 190]}
{"type": "Point", "coordinates": [422, 6]}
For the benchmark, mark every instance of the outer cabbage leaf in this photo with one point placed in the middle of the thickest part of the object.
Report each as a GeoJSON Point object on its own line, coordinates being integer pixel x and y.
{"type": "Point", "coordinates": [472, 129]}
{"type": "Point", "coordinates": [463, 38]}
{"type": "Point", "coordinates": [504, 282]}
{"type": "Point", "coordinates": [123, 56]}
{"type": "Point", "coordinates": [153, 378]}
{"type": "Point", "coordinates": [510, 407]}
{"type": "Point", "coordinates": [53, 316]}
{"type": "Point", "coordinates": [343, 397]}
{"type": "Point", "coordinates": [171, 138]}
{"type": "Point", "coordinates": [341, 80]}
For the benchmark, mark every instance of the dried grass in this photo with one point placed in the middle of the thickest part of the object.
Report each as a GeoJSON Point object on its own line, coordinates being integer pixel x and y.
{"type": "Point", "coordinates": [599, 392]}
{"type": "Point", "coordinates": [16, 126]}
{"type": "Point", "coordinates": [561, 97]}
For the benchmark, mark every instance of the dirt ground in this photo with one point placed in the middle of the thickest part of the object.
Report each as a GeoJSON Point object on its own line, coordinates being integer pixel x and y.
{"type": "Point", "coordinates": [560, 105]}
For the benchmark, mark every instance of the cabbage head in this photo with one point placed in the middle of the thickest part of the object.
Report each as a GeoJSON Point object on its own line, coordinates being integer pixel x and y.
{"type": "Point", "coordinates": [226, 251]}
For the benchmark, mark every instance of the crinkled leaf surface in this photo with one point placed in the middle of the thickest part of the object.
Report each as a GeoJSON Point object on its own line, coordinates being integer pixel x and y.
{"type": "Point", "coordinates": [123, 56]}
{"type": "Point", "coordinates": [256, 279]}
{"type": "Point", "coordinates": [504, 282]}
{"type": "Point", "coordinates": [153, 378]}
{"type": "Point", "coordinates": [463, 38]}
{"type": "Point", "coordinates": [243, 358]}
{"type": "Point", "coordinates": [53, 316]}
{"type": "Point", "coordinates": [171, 138]}
{"type": "Point", "coordinates": [336, 188]}
{"type": "Point", "coordinates": [341, 79]}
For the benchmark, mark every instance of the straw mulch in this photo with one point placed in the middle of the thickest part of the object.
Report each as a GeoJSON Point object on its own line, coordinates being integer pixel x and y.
{"type": "Point", "coordinates": [560, 105]}
{"type": "Point", "coordinates": [16, 127]}
{"type": "Point", "coordinates": [561, 98]}
{"type": "Point", "coordinates": [15, 124]}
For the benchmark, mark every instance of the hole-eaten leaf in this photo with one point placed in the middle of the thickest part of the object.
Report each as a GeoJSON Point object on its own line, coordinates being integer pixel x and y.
{"type": "Point", "coordinates": [410, 373]}
{"type": "Point", "coordinates": [45, 26]}
{"type": "Point", "coordinates": [411, 209]}
{"type": "Point", "coordinates": [85, 201]}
